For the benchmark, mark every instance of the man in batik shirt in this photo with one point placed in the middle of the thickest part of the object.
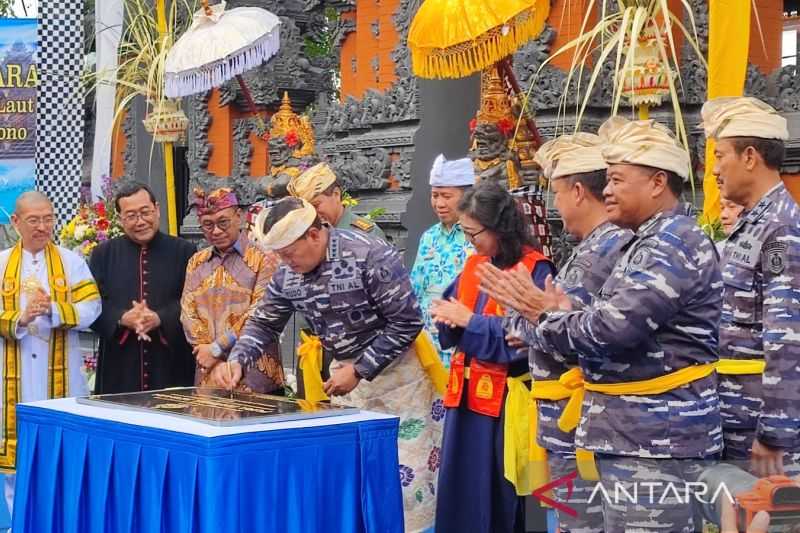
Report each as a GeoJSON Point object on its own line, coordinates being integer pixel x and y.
{"type": "Point", "coordinates": [223, 282]}
{"type": "Point", "coordinates": [443, 247]}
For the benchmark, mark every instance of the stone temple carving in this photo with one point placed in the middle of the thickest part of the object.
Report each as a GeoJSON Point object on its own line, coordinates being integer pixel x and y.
{"type": "Point", "coordinates": [291, 149]}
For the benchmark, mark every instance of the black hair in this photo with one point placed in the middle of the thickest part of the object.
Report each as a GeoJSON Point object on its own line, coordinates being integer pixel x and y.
{"type": "Point", "coordinates": [772, 151]}
{"type": "Point", "coordinates": [497, 211]}
{"type": "Point", "coordinates": [129, 188]}
{"type": "Point", "coordinates": [594, 181]}
{"type": "Point", "coordinates": [283, 208]}
{"type": "Point", "coordinates": [674, 182]}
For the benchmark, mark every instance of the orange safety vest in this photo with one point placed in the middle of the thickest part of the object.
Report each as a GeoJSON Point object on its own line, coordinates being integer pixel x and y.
{"type": "Point", "coordinates": [487, 381]}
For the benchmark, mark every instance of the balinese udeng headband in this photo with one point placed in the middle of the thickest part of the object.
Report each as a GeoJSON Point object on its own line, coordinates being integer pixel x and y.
{"type": "Point", "coordinates": [288, 229]}
{"type": "Point", "coordinates": [643, 142]}
{"type": "Point", "coordinates": [742, 116]}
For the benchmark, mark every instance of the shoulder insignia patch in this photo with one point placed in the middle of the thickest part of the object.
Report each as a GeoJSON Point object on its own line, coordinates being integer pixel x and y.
{"type": "Point", "coordinates": [640, 257]}
{"type": "Point", "coordinates": [775, 256]}
{"type": "Point", "coordinates": [384, 274]}
{"type": "Point", "coordinates": [363, 224]}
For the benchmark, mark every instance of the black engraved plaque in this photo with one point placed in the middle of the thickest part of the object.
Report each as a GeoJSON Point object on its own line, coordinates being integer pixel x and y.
{"type": "Point", "coordinates": [217, 406]}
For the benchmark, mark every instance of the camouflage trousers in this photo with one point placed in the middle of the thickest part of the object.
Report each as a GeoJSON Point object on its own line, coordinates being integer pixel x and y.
{"type": "Point", "coordinates": [589, 517]}
{"type": "Point", "coordinates": [642, 495]}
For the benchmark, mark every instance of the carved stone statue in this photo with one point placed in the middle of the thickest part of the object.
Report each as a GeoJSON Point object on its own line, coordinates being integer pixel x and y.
{"type": "Point", "coordinates": [291, 149]}
{"type": "Point", "coordinates": [492, 158]}
{"type": "Point", "coordinates": [494, 127]}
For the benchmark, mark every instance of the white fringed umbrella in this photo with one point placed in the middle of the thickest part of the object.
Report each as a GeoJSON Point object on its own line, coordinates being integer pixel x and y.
{"type": "Point", "coordinates": [219, 46]}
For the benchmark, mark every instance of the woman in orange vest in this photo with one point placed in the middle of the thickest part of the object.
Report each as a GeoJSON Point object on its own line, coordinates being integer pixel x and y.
{"type": "Point", "coordinates": [473, 493]}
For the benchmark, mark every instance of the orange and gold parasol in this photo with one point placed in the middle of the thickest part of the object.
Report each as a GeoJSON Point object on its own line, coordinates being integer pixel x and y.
{"type": "Point", "coordinates": [456, 38]}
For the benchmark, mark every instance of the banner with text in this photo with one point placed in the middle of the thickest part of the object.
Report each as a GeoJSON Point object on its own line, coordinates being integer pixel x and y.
{"type": "Point", "coordinates": [18, 81]}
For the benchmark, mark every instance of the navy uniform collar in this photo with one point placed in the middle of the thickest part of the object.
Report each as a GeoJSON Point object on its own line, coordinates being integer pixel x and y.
{"type": "Point", "coordinates": [766, 201]}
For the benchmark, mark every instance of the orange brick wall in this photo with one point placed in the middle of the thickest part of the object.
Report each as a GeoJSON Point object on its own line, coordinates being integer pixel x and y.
{"type": "Point", "coordinates": [364, 46]}
{"type": "Point", "coordinates": [347, 54]}
{"type": "Point", "coordinates": [792, 182]}
{"type": "Point", "coordinates": [770, 14]}
{"type": "Point", "coordinates": [567, 16]}
{"type": "Point", "coordinates": [219, 137]}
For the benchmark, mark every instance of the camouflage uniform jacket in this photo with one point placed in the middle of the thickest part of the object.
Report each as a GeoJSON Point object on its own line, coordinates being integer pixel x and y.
{"type": "Point", "coordinates": [761, 319]}
{"type": "Point", "coordinates": [358, 301]}
{"type": "Point", "coordinates": [581, 276]}
{"type": "Point", "coordinates": [658, 312]}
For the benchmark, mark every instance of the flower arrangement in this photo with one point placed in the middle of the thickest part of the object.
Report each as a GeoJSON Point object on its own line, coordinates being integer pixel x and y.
{"type": "Point", "coordinates": [349, 201]}
{"type": "Point", "coordinates": [95, 222]}
{"type": "Point", "coordinates": [504, 126]}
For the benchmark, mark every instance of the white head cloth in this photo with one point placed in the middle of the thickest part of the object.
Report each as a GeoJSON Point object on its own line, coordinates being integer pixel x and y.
{"type": "Point", "coordinates": [287, 230]}
{"type": "Point", "coordinates": [455, 173]}
{"type": "Point", "coordinates": [643, 142]}
{"type": "Point", "coordinates": [570, 154]}
{"type": "Point", "coordinates": [742, 116]}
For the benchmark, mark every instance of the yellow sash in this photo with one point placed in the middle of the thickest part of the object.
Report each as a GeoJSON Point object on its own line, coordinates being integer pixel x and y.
{"type": "Point", "coordinates": [740, 367]}
{"type": "Point", "coordinates": [431, 362]}
{"type": "Point", "coordinates": [571, 385]}
{"type": "Point", "coordinates": [310, 354]}
{"type": "Point", "coordinates": [60, 294]}
{"type": "Point", "coordinates": [568, 386]}
{"type": "Point", "coordinates": [521, 467]}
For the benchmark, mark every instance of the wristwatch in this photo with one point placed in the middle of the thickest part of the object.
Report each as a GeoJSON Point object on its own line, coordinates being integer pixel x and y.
{"type": "Point", "coordinates": [216, 350]}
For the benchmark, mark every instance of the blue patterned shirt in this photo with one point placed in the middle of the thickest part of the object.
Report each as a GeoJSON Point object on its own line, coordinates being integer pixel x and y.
{"type": "Point", "coordinates": [440, 258]}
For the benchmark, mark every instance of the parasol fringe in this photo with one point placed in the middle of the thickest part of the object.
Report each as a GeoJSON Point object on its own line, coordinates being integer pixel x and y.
{"type": "Point", "coordinates": [467, 58]}
{"type": "Point", "coordinates": [215, 74]}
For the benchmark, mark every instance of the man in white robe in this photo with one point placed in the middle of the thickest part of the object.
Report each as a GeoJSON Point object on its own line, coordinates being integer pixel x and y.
{"type": "Point", "coordinates": [47, 295]}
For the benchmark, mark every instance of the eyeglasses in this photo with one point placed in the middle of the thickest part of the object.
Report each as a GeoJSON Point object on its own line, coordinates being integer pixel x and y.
{"type": "Point", "coordinates": [471, 236]}
{"type": "Point", "coordinates": [144, 214]}
{"type": "Point", "coordinates": [223, 225]}
{"type": "Point", "coordinates": [38, 221]}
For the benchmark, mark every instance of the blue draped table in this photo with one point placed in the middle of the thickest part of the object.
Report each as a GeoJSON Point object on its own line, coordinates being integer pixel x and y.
{"type": "Point", "coordinates": [88, 469]}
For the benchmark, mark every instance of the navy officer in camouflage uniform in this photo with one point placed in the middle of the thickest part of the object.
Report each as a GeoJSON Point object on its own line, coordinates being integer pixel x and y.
{"type": "Point", "coordinates": [356, 295]}
{"type": "Point", "coordinates": [576, 170]}
{"type": "Point", "coordinates": [760, 328]}
{"type": "Point", "coordinates": [319, 186]}
{"type": "Point", "coordinates": [647, 344]}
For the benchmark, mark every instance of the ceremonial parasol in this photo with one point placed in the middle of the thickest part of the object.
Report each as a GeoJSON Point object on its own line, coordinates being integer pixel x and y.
{"type": "Point", "coordinates": [220, 45]}
{"type": "Point", "coordinates": [456, 38]}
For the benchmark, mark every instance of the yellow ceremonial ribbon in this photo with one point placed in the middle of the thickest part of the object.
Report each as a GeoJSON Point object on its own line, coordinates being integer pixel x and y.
{"type": "Point", "coordinates": [568, 386]}
{"type": "Point", "coordinates": [571, 385]}
{"type": "Point", "coordinates": [521, 467]}
{"type": "Point", "coordinates": [310, 354]}
{"type": "Point", "coordinates": [431, 362]}
{"type": "Point", "coordinates": [740, 367]}
{"type": "Point", "coordinates": [728, 43]}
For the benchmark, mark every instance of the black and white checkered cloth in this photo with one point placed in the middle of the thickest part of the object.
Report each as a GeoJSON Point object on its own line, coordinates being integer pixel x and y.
{"type": "Point", "coordinates": [59, 113]}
